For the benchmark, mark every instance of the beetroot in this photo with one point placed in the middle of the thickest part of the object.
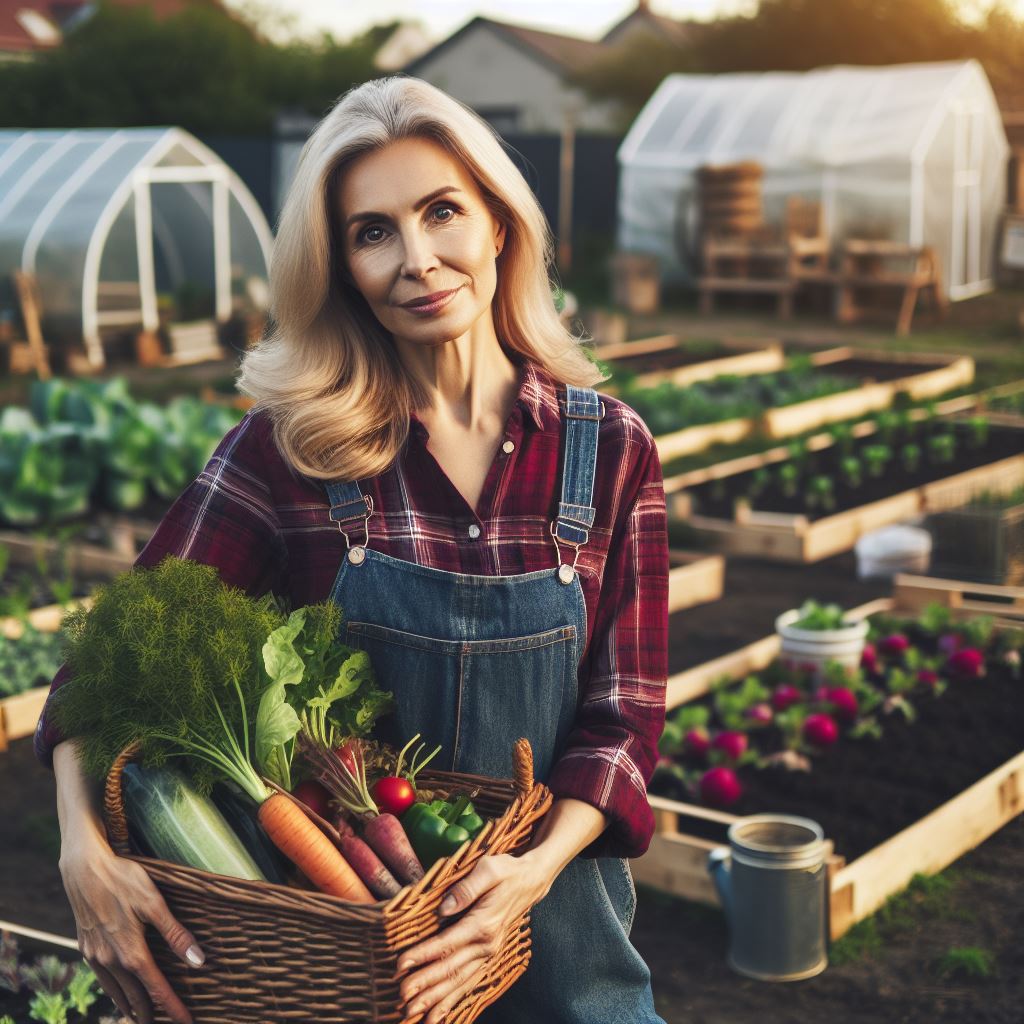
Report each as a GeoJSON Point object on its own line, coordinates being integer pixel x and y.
{"type": "Point", "coordinates": [761, 714]}
{"type": "Point", "coordinates": [785, 696]}
{"type": "Point", "coordinates": [732, 744]}
{"type": "Point", "coordinates": [894, 645]}
{"type": "Point", "coordinates": [696, 743]}
{"type": "Point", "coordinates": [869, 658]}
{"type": "Point", "coordinates": [968, 662]}
{"type": "Point", "coordinates": [315, 796]}
{"type": "Point", "coordinates": [719, 787]}
{"type": "Point", "coordinates": [820, 730]}
{"type": "Point", "coordinates": [844, 703]}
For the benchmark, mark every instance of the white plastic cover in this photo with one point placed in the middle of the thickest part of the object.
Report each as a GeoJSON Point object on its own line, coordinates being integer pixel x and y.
{"type": "Point", "coordinates": [107, 218]}
{"type": "Point", "coordinates": [913, 153]}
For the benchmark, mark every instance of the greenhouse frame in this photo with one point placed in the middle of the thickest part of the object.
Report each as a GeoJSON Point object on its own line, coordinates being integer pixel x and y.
{"type": "Point", "coordinates": [108, 218]}
{"type": "Point", "coordinates": [911, 153]}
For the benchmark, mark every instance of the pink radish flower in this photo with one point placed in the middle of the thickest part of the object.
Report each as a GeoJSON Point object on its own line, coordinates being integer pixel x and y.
{"type": "Point", "coordinates": [760, 713]}
{"type": "Point", "coordinates": [786, 695]}
{"type": "Point", "coordinates": [719, 787]}
{"type": "Point", "coordinates": [968, 662]}
{"type": "Point", "coordinates": [820, 730]}
{"type": "Point", "coordinates": [696, 743]}
{"type": "Point", "coordinates": [844, 703]}
{"type": "Point", "coordinates": [733, 744]}
{"type": "Point", "coordinates": [894, 645]}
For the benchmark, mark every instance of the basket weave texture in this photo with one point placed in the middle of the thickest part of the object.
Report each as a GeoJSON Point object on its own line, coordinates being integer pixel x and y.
{"type": "Point", "coordinates": [277, 954]}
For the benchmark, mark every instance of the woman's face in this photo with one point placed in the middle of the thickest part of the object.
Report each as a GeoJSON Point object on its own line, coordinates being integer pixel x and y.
{"type": "Point", "coordinates": [415, 226]}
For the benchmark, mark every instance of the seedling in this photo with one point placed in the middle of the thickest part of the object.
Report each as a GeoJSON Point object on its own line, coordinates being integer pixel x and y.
{"type": "Point", "coordinates": [910, 456]}
{"type": "Point", "coordinates": [821, 492]}
{"type": "Point", "coordinates": [887, 423]}
{"type": "Point", "coordinates": [842, 438]}
{"type": "Point", "coordinates": [942, 448]}
{"type": "Point", "coordinates": [876, 456]}
{"type": "Point", "coordinates": [759, 481]}
{"type": "Point", "coordinates": [852, 471]}
{"type": "Point", "coordinates": [789, 478]}
{"type": "Point", "coordinates": [966, 962]}
{"type": "Point", "coordinates": [979, 430]}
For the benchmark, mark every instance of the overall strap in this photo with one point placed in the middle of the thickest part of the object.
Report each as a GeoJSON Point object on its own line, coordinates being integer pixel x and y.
{"type": "Point", "coordinates": [348, 504]}
{"type": "Point", "coordinates": [582, 411]}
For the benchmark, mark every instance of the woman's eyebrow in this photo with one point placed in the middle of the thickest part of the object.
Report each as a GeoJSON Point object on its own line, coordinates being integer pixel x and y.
{"type": "Point", "coordinates": [418, 205]}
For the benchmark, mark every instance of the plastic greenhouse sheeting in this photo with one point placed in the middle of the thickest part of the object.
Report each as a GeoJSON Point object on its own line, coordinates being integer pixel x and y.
{"type": "Point", "coordinates": [107, 219]}
{"type": "Point", "coordinates": [914, 153]}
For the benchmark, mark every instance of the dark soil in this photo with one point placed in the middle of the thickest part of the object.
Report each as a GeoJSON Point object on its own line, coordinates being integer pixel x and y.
{"type": "Point", "coordinates": [670, 359]}
{"type": "Point", "coordinates": [876, 370]}
{"type": "Point", "coordinates": [756, 592]}
{"type": "Point", "coordinates": [718, 498]}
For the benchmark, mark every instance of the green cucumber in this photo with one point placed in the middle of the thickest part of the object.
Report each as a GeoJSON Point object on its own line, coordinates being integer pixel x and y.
{"type": "Point", "coordinates": [181, 826]}
{"type": "Point", "coordinates": [239, 812]}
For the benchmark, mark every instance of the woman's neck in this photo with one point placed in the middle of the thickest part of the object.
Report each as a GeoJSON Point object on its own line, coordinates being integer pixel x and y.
{"type": "Point", "coordinates": [470, 382]}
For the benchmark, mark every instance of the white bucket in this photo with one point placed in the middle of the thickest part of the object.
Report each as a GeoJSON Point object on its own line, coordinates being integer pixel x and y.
{"type": "Point", "coordinates": [884, 553]}
{"type": "Point", "coordinates": [812, 648]}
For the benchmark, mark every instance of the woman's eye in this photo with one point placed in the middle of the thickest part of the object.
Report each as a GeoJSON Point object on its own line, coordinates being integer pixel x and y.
{"type": "Point", "coordinates": [364, 234]}
{"type": "Point", "coordinates": [445, 206]}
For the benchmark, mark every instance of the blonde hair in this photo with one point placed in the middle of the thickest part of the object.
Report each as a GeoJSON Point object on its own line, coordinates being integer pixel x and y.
{"type": "Point", "coordinates": [328, 373]}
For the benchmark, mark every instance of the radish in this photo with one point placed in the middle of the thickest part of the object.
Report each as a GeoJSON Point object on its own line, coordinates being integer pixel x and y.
{"type": "Point", "coordinates": [821, 695]}
{"type": "Point", "coordinates": [719, 787]}
{"type": "Point", "coordinates": [393, 795]}
{"type": "Point", "coordinates": [733, 744]}
{"type": "Point", "coordinates": [927, 677]}
{"type": "Point", "coordinates": [844, 703]}
{"type": "Point", "coordinates": [785, 696]}
{"type": "Point", "coordinates": [761, 714]}
{"type": "Point", "coordinates": [895, 645]}
{"type": "Point", "coordinates": [696, 743]}
{"type": "Point", "coordinates": [314, 796]}
{"type": "Point", "coordinates": [820, 730]}
{"type": "Point", "coordinates": [968, 662]}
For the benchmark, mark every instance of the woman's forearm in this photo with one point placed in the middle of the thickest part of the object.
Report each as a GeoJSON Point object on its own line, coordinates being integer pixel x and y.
{"type": "Point", "coordinates": [570, 826]}
{"type": "Point", "coordinates": [78, 802]}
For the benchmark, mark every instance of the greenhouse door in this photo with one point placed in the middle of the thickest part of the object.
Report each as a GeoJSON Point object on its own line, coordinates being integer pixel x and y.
{"type": "Point", "coordinates": [963, 276]}
{"type": "Point", "coordinates": [184, 245]}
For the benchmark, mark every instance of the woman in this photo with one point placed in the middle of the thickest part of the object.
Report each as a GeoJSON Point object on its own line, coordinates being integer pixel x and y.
{"type": "Point", "coordinates": [427, 452]}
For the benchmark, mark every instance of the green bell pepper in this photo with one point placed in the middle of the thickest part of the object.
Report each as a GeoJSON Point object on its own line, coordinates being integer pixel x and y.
{"type": "Point", "coordinates": [438, 829]}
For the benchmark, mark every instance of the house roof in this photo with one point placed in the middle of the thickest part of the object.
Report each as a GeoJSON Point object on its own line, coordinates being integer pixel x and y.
{"type": "Point", "coordinates": [564, 54]}
{"type": "Point", "coordinates": [27, 25]}
{"type": "Point", "coordinates": [642, 17]}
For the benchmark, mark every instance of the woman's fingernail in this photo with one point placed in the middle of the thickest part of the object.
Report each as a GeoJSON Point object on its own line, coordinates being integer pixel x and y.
{"type": "Point", "coordinates": [194, 955]}
{"type": "Point", "coordinates": [447, 905]}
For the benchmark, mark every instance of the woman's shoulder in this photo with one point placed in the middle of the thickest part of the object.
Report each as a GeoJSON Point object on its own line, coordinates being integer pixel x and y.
{"type": "Point", "coordinates": [622, 425]}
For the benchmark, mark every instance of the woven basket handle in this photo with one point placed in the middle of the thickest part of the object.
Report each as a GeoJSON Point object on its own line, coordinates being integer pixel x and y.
{"type": "Point", "coordinates": [113, 802]}
{"type": "Point", "coordinates": [522, 766]}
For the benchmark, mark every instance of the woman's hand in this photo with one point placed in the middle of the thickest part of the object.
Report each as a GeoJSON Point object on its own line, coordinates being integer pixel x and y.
{"type": "Point", "coordinates": [113, 899]}
{"type": "Point", "coordinates": [498, 891]}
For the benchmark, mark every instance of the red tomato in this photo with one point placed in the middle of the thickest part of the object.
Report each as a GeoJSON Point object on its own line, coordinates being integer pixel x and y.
{"type": "Point", "coordinates": [314, 796]}
{"type": "Point", "coordinates": [393, 795]}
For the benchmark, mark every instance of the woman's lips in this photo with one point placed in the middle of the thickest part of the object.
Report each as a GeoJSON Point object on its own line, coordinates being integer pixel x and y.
{"type": "Point", "coordinates": [433, 307]}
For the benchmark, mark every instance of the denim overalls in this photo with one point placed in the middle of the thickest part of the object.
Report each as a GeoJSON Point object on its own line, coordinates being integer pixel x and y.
{"type": "Point", "coordinates": [475, 662]}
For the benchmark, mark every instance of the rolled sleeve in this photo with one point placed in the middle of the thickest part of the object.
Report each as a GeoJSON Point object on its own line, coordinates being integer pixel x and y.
{"type": "Point", "coordinates": [612, 749]}
{"type": "Point", "coordinates": [224, 518]}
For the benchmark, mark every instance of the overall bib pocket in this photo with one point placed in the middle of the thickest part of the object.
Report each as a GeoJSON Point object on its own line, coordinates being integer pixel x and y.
{"type": "Point", "coordinates": [470, 695]}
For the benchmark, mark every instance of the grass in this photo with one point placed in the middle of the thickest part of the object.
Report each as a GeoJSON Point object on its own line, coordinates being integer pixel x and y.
{"type": "Point", "coordinates": [927, 896]}
{"type": "Point", "coordinates": [966, 962]}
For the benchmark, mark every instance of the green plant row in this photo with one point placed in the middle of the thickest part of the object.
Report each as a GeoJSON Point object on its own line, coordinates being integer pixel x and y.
{"type": "Point", "coordinates": [668, 407]}
{"type": "Point", "coordinates": [86, 445]}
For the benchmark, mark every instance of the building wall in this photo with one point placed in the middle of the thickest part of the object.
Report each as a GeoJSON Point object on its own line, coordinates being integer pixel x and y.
{"type": "Point", "coordinates": [505, 84]}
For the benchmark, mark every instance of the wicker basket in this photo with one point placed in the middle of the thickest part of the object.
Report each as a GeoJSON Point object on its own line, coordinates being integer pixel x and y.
{"type": "Point", "coordinates": [276, 954]}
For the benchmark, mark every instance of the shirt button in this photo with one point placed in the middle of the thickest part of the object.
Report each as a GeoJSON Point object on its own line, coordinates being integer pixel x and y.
{"type": "Point", "coordinates": [474, 531]}
{"type": "Point", "coordinates": [508, 446]}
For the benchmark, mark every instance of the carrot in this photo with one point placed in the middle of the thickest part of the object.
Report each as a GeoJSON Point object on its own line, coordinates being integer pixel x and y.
{"type": "Point", "coordinates": [366, 864]}
{"type": "Point", "coordinates": [388, 840]}
{"type": "Point", "coordinates": [311, 851]}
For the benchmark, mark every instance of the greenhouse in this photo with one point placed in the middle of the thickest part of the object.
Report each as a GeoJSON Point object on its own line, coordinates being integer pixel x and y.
{"type": "Point", "coordinates": [122, 227]}
{"type": "Point", "coordinates": [912, 153]}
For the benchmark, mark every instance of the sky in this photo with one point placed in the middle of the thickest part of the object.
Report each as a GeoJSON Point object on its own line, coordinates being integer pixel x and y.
{"type": "Point", "coordinates": [586, 18]}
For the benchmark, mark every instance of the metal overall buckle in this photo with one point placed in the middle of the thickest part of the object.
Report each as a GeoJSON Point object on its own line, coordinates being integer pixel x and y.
{"type": "Point", "coordinates": [566, 572]}
{"type": "Point", "coordinates": [357, 554]}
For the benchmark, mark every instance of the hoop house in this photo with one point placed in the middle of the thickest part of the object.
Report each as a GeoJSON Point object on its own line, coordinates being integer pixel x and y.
{"type": "Point", "coordinates": [107, 219]}
{"type": "Point", "coordinates": [914, 153]}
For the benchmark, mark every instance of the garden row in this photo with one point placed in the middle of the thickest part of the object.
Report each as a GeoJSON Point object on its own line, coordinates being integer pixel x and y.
{"type": "Point", "coordinates": [908, 757]}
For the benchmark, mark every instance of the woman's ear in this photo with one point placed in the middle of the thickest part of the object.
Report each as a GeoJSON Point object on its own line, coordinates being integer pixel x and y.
{"type": "Point", "coordinates": [499, 238]}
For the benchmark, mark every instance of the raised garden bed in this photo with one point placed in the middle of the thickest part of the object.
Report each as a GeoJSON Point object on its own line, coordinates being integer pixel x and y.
{"type": "Point", "coordinates": [694, 578]}
{"type": "Point", "coordinates": [817, 500]}
{"type": "Point", "coordinates": [874, 383]}
{"type": "Point", "coordinates": [939, 790]}
{"type": "Point", "coordinates": [649, 361]}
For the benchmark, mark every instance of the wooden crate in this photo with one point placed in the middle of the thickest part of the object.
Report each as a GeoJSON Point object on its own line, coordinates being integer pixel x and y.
{"type": "Point", "coordinates": [676, 860]}
{"type": "Point", "coordinates": [19, 714]}
{"type": "Point", "coordinates": [694, 578]}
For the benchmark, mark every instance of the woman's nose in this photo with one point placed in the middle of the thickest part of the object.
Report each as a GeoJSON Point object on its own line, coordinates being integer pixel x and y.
{"type": "Point", "coordinates": [417, 254]}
